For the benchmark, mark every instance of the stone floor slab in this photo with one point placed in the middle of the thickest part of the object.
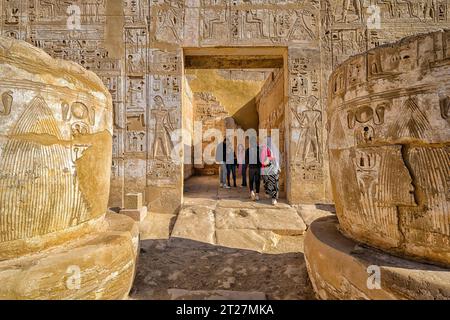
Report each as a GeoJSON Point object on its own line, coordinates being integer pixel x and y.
{"type": "Point", "coordinates": [244, 239]}
{"type": "Point", "coordinates": [285, 221]}
{"type": "Point", "coordinates": [195, 223]}
{"type": "Point", "coordinates": [156, 226]}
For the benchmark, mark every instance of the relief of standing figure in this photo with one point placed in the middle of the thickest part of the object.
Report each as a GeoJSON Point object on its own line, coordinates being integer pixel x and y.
{"type": "Point", "coordinates": [309, 121]}
{"type": "Point", "coordinates": [163, 128]}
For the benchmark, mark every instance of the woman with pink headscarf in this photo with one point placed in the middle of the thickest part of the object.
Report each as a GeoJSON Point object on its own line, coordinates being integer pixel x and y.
{"type": "Point", "coordinates": [270, 169]}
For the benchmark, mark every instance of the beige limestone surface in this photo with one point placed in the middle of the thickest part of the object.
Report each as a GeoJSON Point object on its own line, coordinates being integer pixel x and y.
{"type": "Point", "coordinates": [340, 268]}
{"type": "Point", "coordinates": [56, 241]}
{"type": "Point", "coordinates": [210, 253]}
{"type": "Point", "coordinates": [97, 266]}
{"type": "Point", "coordinates": [137, 48]}
{"type": "Point", "coordinates": [390, 147]}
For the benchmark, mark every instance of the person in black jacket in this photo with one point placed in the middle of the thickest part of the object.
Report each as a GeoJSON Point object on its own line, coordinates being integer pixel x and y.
{"type": "Point", "coordinates": [231, 161]}
{"type": "Point", "coordinates": [221, 159]}
{"type": "Point", "coordinates": [252, 159]}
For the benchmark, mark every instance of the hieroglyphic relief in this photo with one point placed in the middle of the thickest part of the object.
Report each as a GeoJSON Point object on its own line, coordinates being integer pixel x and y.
{"type": "Point", "coordinates": [319, 35]}
{"type": "Point", "coordinates": [7, 100]}
{"type": "Point", "coordinates": [364, 119]}
{"type": "Point", "coordinates": [392, 157]}
{"type": "Point", "coordinates": [45, 25]}
{"type": "Point", "coordinates": [308, 145]}
{"type": "Point", "coordinates": [239, 21]}
{"type": "Point", "coordinates": [213, 116]}
{"type": "Point", "coordinates": [162, 133]}
{"type": "Point", "coordinates": [166, 33]}
{"type": "Point", "coordinates": [444, 104]}
{"type": "Point", "coordinates": [136, 133]}
{"type": "Point", "coordinates": [164, 62]}
{"type": "Point", "coordinates": [306, 155]}
{"type": "Point", "coordinates": [272, 116]}
{"type": "Point", "coordinates": [346, 22]}
{"type": "Point", "coordinates": [55, 175]}
{"type": "Point", "coordinates": [136, 52]}
{"type": "Point", "coordinates": [163, 168]}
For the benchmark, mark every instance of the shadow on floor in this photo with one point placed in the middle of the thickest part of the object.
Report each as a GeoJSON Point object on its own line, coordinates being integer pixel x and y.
{"type": "Point", "coordinates": [190, 265]}
{"type": "Point", "coordinates": [326, 207]}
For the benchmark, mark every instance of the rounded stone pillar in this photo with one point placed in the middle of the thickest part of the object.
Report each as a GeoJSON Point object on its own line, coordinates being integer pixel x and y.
{"type": "Point", "coordinates": [389, 148]}
{"type": "Point", "coordinates": [55, 160]}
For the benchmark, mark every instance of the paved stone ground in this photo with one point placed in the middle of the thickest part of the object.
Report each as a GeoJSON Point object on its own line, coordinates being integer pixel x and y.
{"type": "Point", "coordinates": [222, 245]}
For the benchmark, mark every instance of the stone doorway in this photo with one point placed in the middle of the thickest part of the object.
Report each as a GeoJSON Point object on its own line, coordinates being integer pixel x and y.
{"type": "Point", "coordinates": [242, 89]}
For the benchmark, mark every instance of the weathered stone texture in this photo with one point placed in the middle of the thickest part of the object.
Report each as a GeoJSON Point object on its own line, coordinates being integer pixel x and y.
{"type": "Point", "coordinates": [389, 146]}
{"type": "Point", "coordinates": [104, 261]}
{"type": "Point", "coordinates": [340, 268]}
{"type": "Point", "coordinates": [55, 156]}
{"type": "Point", "coordinates": [140, 60]}
{"type": "Point", "coordinates": [397, 115]}
{"type": "Point", "coordinates": [56, 131]}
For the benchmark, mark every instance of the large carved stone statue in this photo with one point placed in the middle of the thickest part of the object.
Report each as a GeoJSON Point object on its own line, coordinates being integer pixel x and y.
{"type": "Point", "coordinates": [389, 147]}
{"type": "Point", "coordinates": [55, 162]}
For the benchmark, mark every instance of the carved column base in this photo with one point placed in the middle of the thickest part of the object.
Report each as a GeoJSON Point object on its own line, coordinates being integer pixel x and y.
{"type": "Point", "coordinates": [340, 268]}
{"type": "Point", "coordinates": [100, 265]}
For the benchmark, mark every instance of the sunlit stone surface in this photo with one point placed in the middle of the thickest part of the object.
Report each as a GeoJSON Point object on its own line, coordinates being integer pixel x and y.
{"type": "Point", "coordinates": [390, 146]}
{"type": "Point", "coordinates": [389, 167]}
{"type": "Point", "coordinates": [55, 155]}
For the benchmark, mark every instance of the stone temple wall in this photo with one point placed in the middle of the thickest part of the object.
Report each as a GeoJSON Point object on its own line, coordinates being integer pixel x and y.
{"type": "Point", "coordinates": [188, 125]}
{"type": "Point", "coordinates": [270, 106]}
{"type": "Point", "coordinates": [136, 48]}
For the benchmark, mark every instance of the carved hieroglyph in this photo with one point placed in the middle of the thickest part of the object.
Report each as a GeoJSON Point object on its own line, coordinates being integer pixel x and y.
{"type": "Point", "coordinates": [55, 157]}
{"type": "Point", "coordinates": [135, 46]}
{"type": "Point", "coordinates": [56, 131]}
{"type": "Point", "coordinates": [389, 146]}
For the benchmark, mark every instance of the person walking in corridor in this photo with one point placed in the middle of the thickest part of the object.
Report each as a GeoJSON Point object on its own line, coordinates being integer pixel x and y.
{"type": "Point", "coordinates": [242, 164]}
{"type": "Point", "coordinates": [270, 169]}
{"type": "Point", "coordinates": [221, 160]}
{"type": "Point", "coordinates": [254, 168]}
{"type": "Point", "coordinates": [231, 162]}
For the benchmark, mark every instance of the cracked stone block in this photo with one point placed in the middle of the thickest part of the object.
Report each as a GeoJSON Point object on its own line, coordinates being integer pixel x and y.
{"type": "Point", "coordinates": [195, 223]}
